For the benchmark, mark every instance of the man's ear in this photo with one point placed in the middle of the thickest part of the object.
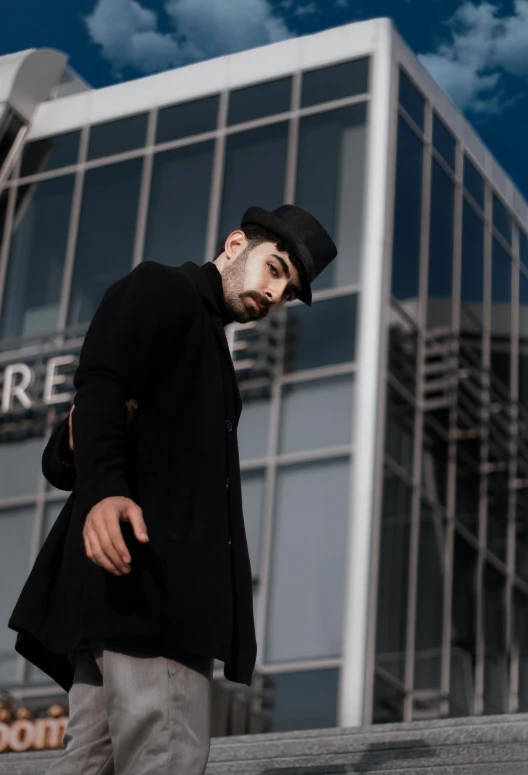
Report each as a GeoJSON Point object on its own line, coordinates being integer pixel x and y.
{"type": "Point", "coordinates": [235, 243]}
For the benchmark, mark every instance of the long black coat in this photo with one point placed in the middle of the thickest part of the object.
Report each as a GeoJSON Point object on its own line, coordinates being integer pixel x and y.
{"type": "Point", "coordinates": [158, 337]}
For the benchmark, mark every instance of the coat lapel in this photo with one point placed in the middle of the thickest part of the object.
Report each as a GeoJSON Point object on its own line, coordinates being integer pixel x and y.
{"type": "Point", "coordinates": [204, 288]}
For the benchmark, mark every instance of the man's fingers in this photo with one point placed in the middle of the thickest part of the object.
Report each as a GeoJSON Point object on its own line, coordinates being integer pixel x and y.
{"type": "Point", "coordinates": [112, 543]}
{"type": "Point", "coordinates": [97, 554]}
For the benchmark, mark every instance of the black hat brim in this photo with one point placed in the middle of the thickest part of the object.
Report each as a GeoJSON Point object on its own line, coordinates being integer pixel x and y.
{"type": "Point", "coordinates": [270, 221]}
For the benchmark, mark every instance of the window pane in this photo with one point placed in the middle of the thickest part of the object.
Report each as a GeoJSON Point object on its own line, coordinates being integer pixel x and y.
{"type": "Point", "coordinates": [523, 340]}
{"type": "Point", "coordinates": [254, 173]}
{"type": "Point", "coordinates": [496, 669]}
{"type": "Point", "coordinates": [253, 429]}
{"type": "Point", "coordinates": [473, 182]}
{"type": "Point", "coordinates": [444, 142]}
{"type": "Point", "coordinates": [126, 134]}
{"type": "Point", "coordinates": [501, 313]}
{"type": "Point", "coordinates": [187, 119]}
{"type": "Point", "coordinates": [335, 82]}
{"type": "Point", "coordinates": [106, 235]}
{"type": "Point", "coordinates": [253, 493]}
{"type": "Point", "coordinates": [321, 335]}
{"type": "Point", "coordinates": [430, 598]}
{"type": "Point", "coordinates": [411, 100]}
{"type": "Point", "coordinates": [265, 99]}
{"type": "Point", "coordinates": [305, 700]}
{"type": "Point", "coordinates": [179, 205]}
{"type": "Point", "coordinates": [463, 633]}
{"type": "Point", "coordinates": [399, 430]}
{"type": "Point", "coordinates": [20, 467]}
{"type": "Point", "coordinates": [50, 153]}
{"type": "Point", "coordinates": [523, 247]}
{"type": "Point", "coordinates": [316, 414]}
{"type": "Point", "coordinates": [308, 562]}
{"type": "Point", "coordinates": [16, 534]}
{"type": "Point", "coordinates": [407, 215]}
{"type": "Point", "coordinates": [502, 220]}
{"type": "Point", "coordinates": [36, 261]}
{"type": "Point", "coordinates": [330, 185]}
{"type": "Point", "coordinates": [472, 290]}
{"type": "Point", "coordinates": [440, 276]}
{"type": "Point", "coordinates": [393, 575]}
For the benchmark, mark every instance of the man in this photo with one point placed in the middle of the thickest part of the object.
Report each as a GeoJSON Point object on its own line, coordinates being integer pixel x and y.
{"type": "Point", "coordinates": [145, 577]}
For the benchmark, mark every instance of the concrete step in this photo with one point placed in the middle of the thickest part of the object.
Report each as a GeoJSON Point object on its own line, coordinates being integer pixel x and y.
{"type": "Point", "coordinates": [492, 745]}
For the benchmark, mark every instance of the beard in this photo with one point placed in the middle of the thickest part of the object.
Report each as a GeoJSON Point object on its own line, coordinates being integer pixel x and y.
{"type": "Point", "coordinates": [233, 280]}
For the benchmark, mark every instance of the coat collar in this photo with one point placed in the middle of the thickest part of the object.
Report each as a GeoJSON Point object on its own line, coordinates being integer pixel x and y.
{"type": "Point", "coordinates": [210, 299]}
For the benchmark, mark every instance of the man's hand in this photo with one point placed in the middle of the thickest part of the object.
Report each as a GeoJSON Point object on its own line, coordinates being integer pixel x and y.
{"type": "Point", "coordinates": [103, 539]}
{"type": "Point", "coordinates": [132, 405]}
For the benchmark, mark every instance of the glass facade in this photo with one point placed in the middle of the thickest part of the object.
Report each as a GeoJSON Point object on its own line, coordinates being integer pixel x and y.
{"type": "Point", "coordinates": [452, 543]}
{"type": "Point", "coordinates": [90, 219]}
{"type": "Point", "coordinates": [449, 597]}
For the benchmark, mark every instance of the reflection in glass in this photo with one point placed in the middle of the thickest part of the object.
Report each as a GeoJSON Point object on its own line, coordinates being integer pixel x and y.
{"type": "Point", "coordinates": [187, 119]}
{"type": "Point", "coordinates": [331, 183]}
{"type": "Point", "coordinates": [308, 561]}
{"type": "Point", "coordinates": [402, 347]}
{"type": "Point", "coordinates": [430, 599]}
{"type": "Point", "coordinates": [472, 283]}
{"type": "Point", "coordinates": [463, 630]}
{"type": "Point", "coordinates": [399, 430]}
{"type": "Point", "coordinates": [444, 142]}
{"type": "Point", "coordinates": [264, 99]}
{"type": "Point", "coordinates": [473, 182]}
{"type": "Point", "coordinates": [440, 276]}
{"type": "Point", "coordinates": [335, 82]}
{"type": "Point", "coordinates": [179, 205]}
{"type": "Point", "coordinates": [317, 414]}
{"type": "Point", "coordinates": [36, 261]}
{"type": "Point", "coordinates": [305, 700]}
{"type": "Point", "coordinates": [254, 173]}
{"type": "Point", "coordinates": [495, 660]}
{"type": "Point", "coordinates": [520, 637]}
{"type": "Point", "coordinates": [502, 219]}
{"type": "Point", "coordinates": [501, 312]}
{"type": "Point", "coordinates": [407, 216]}
{"type": "Point", "coordinates": [50, 153]}
{"type": "Point", "coordinates": [435, 458]}
{"type": "Point", "coordinates": [321, 335]}
{"type": "Point", "coordinates": [253, 493]}
{"type": "Point", "coordinates": [523, 248]}
{"type": "Point", "coordinates": [411, 100]}
{"type": "Point", "coordinates": [125, 134]}
{"type": "Point", "coordinates": [393, 575]}
{"type": "Point", "coordinates": [106, 235]}
{"type": "Point", "coordinates": [16, 535]}
{"type": "Point", "coordinates": [468, 490]}
{"type": "Point", "coordinates": [253, 429]}
{"type": "Point", "coordinates": [498, 493]}
{"type": "Point", "coordinates": [20, 465]}
{"type": "Point", "coordinates": [521, 533]}
{"type": "Point", "coordinates": [523, 340]}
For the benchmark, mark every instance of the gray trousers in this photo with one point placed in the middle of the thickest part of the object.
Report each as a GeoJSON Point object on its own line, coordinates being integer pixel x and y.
{"type": "Point", "coordinates": [133, 715]}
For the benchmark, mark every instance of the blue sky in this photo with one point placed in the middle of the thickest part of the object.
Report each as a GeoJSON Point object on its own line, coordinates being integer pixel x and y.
{"type": "Point", "coordinates": [478, 51]}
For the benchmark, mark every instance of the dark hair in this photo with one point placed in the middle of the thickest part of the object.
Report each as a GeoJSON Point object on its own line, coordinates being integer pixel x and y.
{"type": "Point", "coordinates": [257, 234]}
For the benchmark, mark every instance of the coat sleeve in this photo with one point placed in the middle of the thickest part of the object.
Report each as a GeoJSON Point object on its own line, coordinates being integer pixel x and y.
{"type": "Point", "coordinates": [141, 319]}
{"type": "Point", "coordinates": [57, 459]}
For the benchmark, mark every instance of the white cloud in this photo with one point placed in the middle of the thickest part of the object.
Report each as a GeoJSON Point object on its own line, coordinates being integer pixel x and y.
{"type": "Point", "coordinates": [129, 34]}
{"type": "Point", "coordinates": [306, 10]}
{"type": "Point", "coordinates": [341, 3]}
{"type": "Point", "coordinates": [483, 46]}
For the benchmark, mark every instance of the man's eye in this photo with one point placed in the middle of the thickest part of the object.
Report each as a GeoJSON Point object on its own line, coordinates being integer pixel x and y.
{"type": "Point", "coordinates": [274, 269]}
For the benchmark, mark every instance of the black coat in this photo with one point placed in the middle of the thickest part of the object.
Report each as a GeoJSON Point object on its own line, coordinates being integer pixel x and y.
{"type": "Point", "coordinates": [158, 337]}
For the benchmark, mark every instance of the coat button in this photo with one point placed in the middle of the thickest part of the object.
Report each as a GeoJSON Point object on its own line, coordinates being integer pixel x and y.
{"type": "Point", "coordinates": [228, 483]}
{"type": "Point", "coordinates": [229, 426]}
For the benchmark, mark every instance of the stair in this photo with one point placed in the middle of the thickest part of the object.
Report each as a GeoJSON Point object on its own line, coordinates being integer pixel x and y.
{"type": "Point", "coordinates": [490, 745]}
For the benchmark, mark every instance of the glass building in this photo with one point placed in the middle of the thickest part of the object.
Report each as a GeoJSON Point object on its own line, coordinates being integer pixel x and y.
{"type": "Point", "coordinates": [384, 463]}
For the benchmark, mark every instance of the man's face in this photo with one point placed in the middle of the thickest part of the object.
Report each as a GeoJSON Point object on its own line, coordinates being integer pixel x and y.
{"type": "Point", "coordinates": [256, 281]}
